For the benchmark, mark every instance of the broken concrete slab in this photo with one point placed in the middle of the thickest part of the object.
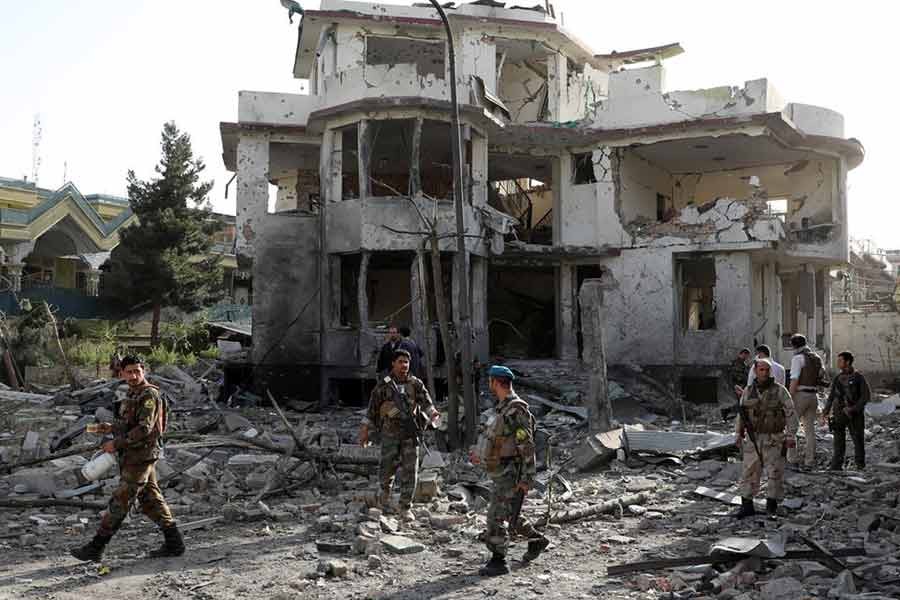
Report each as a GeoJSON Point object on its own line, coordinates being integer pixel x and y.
{"type": "Point", "coordinates": [401, 545]}
{"type": "Point", "coordinates": [598, 449]}
{"type": "Point", "coordinates": [771, 547]}
{"type": "Point", "coordinates": [578, 411]}
{"type": "Point", "coordinates": [678, 443]}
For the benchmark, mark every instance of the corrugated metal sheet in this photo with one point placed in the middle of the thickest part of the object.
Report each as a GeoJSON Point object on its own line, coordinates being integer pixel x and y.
{"type": "Point", "coordinates": [675, 442]}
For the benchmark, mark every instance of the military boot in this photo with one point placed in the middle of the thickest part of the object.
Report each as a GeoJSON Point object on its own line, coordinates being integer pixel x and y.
{"type": "Point", "coordinates": [747, 509]}
{"type": "Point", "coordinates": [772, 507]}
{"type": "Point", "coordinates": [173, 544]}
{"type": "Point", "coordinates": [93, 550]}
{"type": "Point", "coordinates": [535, 547]}
{"type": "Point", "coordinates": [494, 567]}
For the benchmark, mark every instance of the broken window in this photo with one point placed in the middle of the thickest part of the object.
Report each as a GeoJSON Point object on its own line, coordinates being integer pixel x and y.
{"type": "Point", "coordinates": [698, 285]}
{"type": "Point", "coordinates": [665, 210]}
{"type": "Point", "coordinates": [700, 390]}
{"type": "Point", "coordinates": [390, 156]}
{"type": "Point", "coordinates": [435, 160]}
{"type": "Point", "coordinates": [583, 167]}
{"type": "Point", "coordinates": [426, 55]}
{"type": "Point", "coordinates": [522, 311]}
{"type": "Point", "coordinates": [778, 208]}
{"type": "Point", "coordinates": [388, 288]}
{"type": "Point", "coordinates": [521, 186]}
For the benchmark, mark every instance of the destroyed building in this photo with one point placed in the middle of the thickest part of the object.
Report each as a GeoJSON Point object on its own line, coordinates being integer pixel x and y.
{"type": "Point", "coordinates": [718, 212]}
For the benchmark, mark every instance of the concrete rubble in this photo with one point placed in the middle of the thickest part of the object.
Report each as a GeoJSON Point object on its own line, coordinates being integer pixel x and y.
{"type": "Point", "coordinates": [634, 505]}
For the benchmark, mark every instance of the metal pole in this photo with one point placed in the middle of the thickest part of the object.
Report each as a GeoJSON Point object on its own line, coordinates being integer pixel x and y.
{"type": "Point", "coordinates": [465, 335]}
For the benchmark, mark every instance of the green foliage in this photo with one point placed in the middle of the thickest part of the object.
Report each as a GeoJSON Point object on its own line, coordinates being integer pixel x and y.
{"type": "Point", "coordinates": [161, 355]}
{"type": "Point", "coordinates": [90, 353]}
{"type": "Point", "coordinates": [157, 260]}
{"type": "Point", "coordinates": [210, 353]}
{"type": "Point", "coordinates": [185, 338]}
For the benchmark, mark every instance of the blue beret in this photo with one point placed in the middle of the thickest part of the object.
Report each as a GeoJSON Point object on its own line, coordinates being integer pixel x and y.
{"type": "Point", "coordinates": [501, 371]}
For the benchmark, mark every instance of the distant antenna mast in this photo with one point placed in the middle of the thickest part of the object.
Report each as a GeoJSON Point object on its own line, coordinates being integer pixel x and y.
{"type": "Point", "coordinates": [65, 172]}
{"type": "Point", "coordinates": [36, 134]}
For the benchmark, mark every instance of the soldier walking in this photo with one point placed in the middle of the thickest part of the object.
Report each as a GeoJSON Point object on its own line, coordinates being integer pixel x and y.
{"type": "Point", "coordinates": [845, 410]}
{"type": "Point", "coordinates": [507, 452]}
{"type": "Point", "coordinates": [767, 418]}
{"type": "Point", "coordinates": [137, 442]}
{"type": "Point", "coordinates": [399, 409]}
{"type": "Point", "coordinates": [807, 376]}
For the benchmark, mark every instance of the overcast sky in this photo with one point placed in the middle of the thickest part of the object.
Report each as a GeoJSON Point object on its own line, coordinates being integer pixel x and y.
{"type": "Point", "coordinates": [105, 74]}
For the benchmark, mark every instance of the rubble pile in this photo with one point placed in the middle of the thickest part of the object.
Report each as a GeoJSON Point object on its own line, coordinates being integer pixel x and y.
{"type": "Point", "coordinates": [640, 511]}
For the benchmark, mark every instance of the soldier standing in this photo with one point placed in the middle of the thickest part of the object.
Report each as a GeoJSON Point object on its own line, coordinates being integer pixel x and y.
{"type": "Point", "coordinates": [399, 408]}
{"type": "Point", "coordinates": [507, 451]}
{"type": "Point", "coordinates": [846, 404]}
{"type": "Point", "coordinates": [137, 441]}
{"type": "Point", "coordinates": [740, 370]}
{"type": "Point", "coordinates": [767, 414]}
{"type": "Point", "coordinates": [807, 375]}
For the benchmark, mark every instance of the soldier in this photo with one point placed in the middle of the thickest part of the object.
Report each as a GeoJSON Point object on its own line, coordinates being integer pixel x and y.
{"type": "Point", "coordinates": [740, 369]}
{"type": "Point", "coordinates": [507, 451]}
{"type": "Point", "coordinates": [387, 351]}
{"type": "Point", "coordinates": [807, 376]}
{"type": "Point", "coordinates": [137, 434]}
{"type": "Point", "coordinates": [398, 407]}
{"type": "Point", "coordinates": [846, 404]}
{"type": "Point", "coordinates": [767, 414]}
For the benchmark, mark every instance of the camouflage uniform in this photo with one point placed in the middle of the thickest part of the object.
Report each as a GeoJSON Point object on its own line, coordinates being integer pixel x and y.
{"type": "Point", "coordinates": [509, 459]}
{"type": "Point", "coordinates": [399, 448]}
{"type": "Point", "coordinates": [773, 418]}
{"type": "Point", "coordinates": [740, 372]}
{"type": "Point", "coordinates": [849, 391]}
{"type": "Point", "coordinates": [137, 434]}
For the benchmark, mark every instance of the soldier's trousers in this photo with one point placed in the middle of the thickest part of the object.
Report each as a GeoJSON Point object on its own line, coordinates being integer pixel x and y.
{"type": "Point", "coordinates": [770, 444]}
{"type": "Point", "coordinates": [399, 452]}
{"type": "Point", "coordinates": [499, 513]}
{"type": "Point", "coordinates": [136, 482]}
{"type": "Point", "coordinates": [806, 404]}
{"type": "Point", "coordinates": [857, 427]}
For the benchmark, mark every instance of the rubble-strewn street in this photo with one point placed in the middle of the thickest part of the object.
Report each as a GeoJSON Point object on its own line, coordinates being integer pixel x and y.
{"type": "Point", "coordinates": [268, 516]}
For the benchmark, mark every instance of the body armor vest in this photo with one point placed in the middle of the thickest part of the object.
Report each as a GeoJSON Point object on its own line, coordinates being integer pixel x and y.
{"type": "Point", "coordinates": [766, 411]}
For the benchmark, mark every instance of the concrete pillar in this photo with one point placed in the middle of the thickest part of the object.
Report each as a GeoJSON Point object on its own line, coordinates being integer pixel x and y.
{"type": "Point", "coordinates": [593, 320]}
{"type": "Point", "coordinates": [14, 274]}
{"type": "Point", "coordinates": [362, 296]}
{"type": "Point", "coordinates": [418, 303]}
{"type": "Point", "coordinates": [479, 307]}
{"type": "Point", "coordinates": [811, 325]}
{"type": "Point", "coordinates": [93, 282]}
{"type": "Point", "coordinates": [562, 182]}
{"type": "Point", "coordinates": [566, 335]}
{"type": "Point", "coordinates": [557, 84]}
{"type": "Point", "coordinates": [826, 321]}
{"type": "Point", "coordinates": [479, 169]}
{"type": "Point", "coordinates": [252, 189]}
{"type": "Point", "coordinates": [456, 288]}
{"type": "Point", "coordinates": [363, 155]}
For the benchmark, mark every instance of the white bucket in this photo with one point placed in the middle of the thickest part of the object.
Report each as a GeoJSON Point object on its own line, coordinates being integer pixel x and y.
{"type": "Point", "coordinates": [99, 464]}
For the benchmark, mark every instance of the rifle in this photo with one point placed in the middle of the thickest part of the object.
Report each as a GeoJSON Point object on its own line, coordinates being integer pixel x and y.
{"type": "Point", "coordinates": [751, 433]}
{"type": "Point", "coordinates": [410, 423]}
{"type": "Point", "coordinates": [518, 500]}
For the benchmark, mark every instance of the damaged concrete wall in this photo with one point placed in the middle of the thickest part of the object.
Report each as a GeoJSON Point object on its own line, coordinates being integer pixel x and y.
{"type": "Point", "coordinates": [637, 97]}
{"type": "Point", "coordinates": [874, 340]}
{"type": "Point", "coordinates": [766, 294]}
{"type": "Point", "coordinates": [285, 282]}
{"type": "Point", "coordinates": [639, 183]}
{"type": "Point", "coordinates": [645, 325]}
{"type": "Point", "coordinates": [252, 189]}
{"type": "Point", "coordinates": [523, 90]}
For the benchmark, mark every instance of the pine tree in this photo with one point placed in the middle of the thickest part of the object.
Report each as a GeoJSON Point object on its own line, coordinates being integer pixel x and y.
{"type": "Point", "coordinates": [156, 261]}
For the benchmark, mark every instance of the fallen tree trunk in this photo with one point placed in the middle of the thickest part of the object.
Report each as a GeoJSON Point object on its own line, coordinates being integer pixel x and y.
{"type": "Point", "coordinates": [599, 509]}
{"type": "Point", "coordinates": [48, 502]}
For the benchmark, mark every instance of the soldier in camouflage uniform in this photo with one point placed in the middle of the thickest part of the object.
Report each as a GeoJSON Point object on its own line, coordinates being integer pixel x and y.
{"type": "Point", "coordinates": [774, 422]}
{"type": "Point", "coordinates": [136, 440]}
{"type": "Point", "coordinates": [740, 370]}
{"type": "Point", "coordinates": [506, 449]}
{"type": "Point", "coordinates": [390, 404]}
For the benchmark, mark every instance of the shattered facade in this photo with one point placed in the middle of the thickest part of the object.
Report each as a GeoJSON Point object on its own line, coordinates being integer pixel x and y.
{"type": "Point", "coordinates": [718, 212]}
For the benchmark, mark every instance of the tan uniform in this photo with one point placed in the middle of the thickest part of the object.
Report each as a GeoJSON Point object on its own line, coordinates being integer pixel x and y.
{"type": "Point", "coordinates": [773, 419]}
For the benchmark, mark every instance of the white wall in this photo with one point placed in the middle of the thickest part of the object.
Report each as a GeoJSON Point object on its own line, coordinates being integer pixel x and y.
{"type": "Point", "coordinates": [874, 340]}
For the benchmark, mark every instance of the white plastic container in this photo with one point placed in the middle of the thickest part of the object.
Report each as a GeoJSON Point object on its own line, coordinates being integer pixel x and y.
{"type": "Point", "coordinates": [99, 465]}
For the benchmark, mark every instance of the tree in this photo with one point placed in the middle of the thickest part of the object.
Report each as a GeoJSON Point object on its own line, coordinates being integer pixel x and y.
{"type": "Point", "coordinates": [165, 259]}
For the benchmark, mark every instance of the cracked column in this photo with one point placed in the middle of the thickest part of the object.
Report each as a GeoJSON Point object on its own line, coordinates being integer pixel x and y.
{"type": "Point", "coordinates": [593, 320]}
{"type": "Point", "coordinates": [252, 189]}
{"type": "Point", "coordinates": [93, 283]}
{"type": "Point", "coordinates": [566, 334]}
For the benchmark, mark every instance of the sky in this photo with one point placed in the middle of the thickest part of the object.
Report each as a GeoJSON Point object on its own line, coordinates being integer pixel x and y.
{"type": "Point", "coordinates": [104, 75]}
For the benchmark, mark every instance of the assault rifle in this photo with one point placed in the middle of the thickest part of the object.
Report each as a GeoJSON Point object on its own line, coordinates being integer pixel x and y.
{"type": "Point", "coordinates": [414, 427]}
{"type": "Point", "coordinates": [747, 424]}
{"type": "Point", "coordinates": [517, 501]}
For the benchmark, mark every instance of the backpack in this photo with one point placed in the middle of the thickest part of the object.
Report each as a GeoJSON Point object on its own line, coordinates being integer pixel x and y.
{"type": "Point", "coordinates": [814, 362]}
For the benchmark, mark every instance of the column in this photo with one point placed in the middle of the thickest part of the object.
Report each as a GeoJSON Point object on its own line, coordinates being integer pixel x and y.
{"type": "Point", "coordinates": [14, 273]}
{"type": "Point", "coordinates": [593, 320]}
{"type": "Point", "coordinates": [93, 282]}
{"type": "Point", "coordinates": [479, 306]}
{"type": "Point", "coordinates": [362, 296]}
{"type": "Point", "coordinates": [567, 342]}
{"type": "Point", "coordinates": [811, 329]}
{"type": "Point", "coordinates": [252, 188]}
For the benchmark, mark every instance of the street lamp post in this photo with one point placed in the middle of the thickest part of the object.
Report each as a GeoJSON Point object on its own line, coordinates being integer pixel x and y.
{"type": "Point", "coordinates": [465, 332]}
